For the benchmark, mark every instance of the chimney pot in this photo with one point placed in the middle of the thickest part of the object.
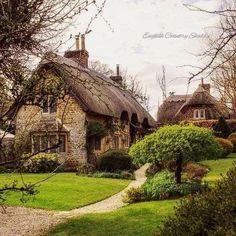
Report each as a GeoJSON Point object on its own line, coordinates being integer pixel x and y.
{"type": "Point", "coordinates": [79, 55]}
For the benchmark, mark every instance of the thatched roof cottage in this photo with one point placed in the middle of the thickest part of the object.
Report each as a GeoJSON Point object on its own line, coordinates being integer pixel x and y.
{"type": "Point", "coordinates": [98, 114]}
{"type": "Point", "coordinates": [200, 105]}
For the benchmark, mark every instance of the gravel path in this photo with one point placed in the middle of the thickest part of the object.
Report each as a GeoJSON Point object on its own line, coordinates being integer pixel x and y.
{"type": "Point", "coordinates": [20, 221]}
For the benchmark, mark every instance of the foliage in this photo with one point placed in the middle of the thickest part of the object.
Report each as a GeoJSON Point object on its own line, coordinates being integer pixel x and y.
{"type": "Point", "coordinates": [233, 141]}
{"type": "Point", "coordinates": [96, 129]}
{"type": "Point", "coordinates": [85, 168]}
{"type": "Point", "coordinates": [133, 195]}
{"type": "Point", "coordinates": [154, 168]}
{"type": "Point", "coordinates": [64, 191]}
{"type": "Point", "coordinates": [192, 142]}
{"type": "Point", "coordinates": [116, 175]}
{"type": "Point", "coordinates": [212, 213]}
{"type": "Point", "coordinates": [227, 146]}
{"type": "Point", "coordinates": [222, 128]}
{"type": "Point", "coordinates": [41, 163]}
{"type": "Point", "coordinates": [115, 159]}
{"type": "Point", "coordinates": [195, 171]}
{"type": "Point", "coordinates": [162, 186]}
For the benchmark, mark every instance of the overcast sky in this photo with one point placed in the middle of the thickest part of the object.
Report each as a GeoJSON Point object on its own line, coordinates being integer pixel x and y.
{"type": "Point", "coordinates": [148, 34]}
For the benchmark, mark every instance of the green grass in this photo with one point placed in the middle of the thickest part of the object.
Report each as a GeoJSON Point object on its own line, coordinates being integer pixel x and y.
{"type": "Point", "coordinates": [134, 220]}
{"type": "Point", "coordinates": [64, 191]}
{"type": "Point", "coordinates": [218, 168]}
{"type": "Point", "coordinates": [140, 219]}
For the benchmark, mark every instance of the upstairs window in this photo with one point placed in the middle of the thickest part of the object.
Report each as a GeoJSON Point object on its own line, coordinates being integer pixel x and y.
{"type": "Point", "coordinates": [49, 105]}
{"type": "Point", "coordinates": [199, 114]}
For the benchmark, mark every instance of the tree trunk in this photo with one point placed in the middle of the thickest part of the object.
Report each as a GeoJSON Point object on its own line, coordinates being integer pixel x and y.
{"type": "Point", "coordinates": [178, 170]}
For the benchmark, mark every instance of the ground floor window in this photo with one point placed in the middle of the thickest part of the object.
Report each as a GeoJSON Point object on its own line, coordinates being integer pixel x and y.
{"type": "Point", "coordinates": [48, 143]}
{"type": "Point", "coordinates": [95, 143]}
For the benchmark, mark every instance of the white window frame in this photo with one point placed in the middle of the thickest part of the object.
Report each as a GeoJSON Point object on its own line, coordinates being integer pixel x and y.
{"type": "Point", "coordinates": [197, 114]}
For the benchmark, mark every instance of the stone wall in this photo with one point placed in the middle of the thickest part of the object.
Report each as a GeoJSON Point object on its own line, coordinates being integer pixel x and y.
{"type": "Point", "coordinates": [69, 114]}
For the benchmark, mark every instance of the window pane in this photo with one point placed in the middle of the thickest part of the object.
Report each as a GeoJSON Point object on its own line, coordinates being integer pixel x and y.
{"type": "Point", "coordinates": [36, 143]}
{"type": "Point", "coordinates": [44, 142]}
{"type": "Point", "coordinates": [202, 113]}
{"type": "Point", "coordinates": [62, 147]}
{"type": "Point", "coordinates": [52, 105]}
{"type": "Point", "coordinates": [52, 142]}
{"type": "Point", "coordinates": [45, 106]}
{"type": "Point", "coordinates": [97, 143]}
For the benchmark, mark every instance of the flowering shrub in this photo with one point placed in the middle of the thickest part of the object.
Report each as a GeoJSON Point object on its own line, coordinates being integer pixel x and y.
{"type": "Point", "coordinates": [41, 163]}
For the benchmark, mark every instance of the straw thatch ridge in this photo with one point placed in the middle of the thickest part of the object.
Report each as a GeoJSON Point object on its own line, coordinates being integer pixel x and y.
{"type": "Point", "coordinates": [97, 93]}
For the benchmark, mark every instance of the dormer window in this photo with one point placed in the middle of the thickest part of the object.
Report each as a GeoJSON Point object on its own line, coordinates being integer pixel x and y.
{"type": "Point", "coordinates": [199, 114]}
{"type": "Point", "coordinates": [49, 105]}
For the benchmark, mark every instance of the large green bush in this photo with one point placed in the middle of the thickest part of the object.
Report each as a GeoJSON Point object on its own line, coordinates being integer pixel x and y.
{"type": "Point", "coordinates": [41, 163]}
{"type": "Point", "coordinates": [115, 159]}
{"type": "Point", "coordinates": [178, 142]}
{"type": "Point", "coordinates": [227, 146]}
{"type": "Point", "coordinates": [193, 142]}
{"type": "Point", "coordinates": [211, 213]}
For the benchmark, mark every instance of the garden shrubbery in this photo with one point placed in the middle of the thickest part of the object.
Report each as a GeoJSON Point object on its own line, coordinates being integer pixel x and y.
{"type": "Point", "coordinates": [233, 141]}
{"type": "Point", "coordinates": [227, 146]}
{"type": "Point", "coordinates": [194, 143]}
{"type": "Point", "coordinates": [113, 175]}
{"type": "Point", "coordinates": [178, 144]}
{"type": "Point", "coordinates": [162, 186]}
{"type": "Point", "coordinates": [114, 160]}
{"type": "Point", "coordinates": [211, 213]}
{"type": "Point", "coordinates": [41, 163]}
{"type": "Point", "coordinates": [85, 168]}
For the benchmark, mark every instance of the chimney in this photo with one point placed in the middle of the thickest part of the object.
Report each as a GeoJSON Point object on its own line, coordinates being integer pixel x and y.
{"type": "Point", "coordinates": [79, 55]}
{"type": "Point", "coordinates": [207, 87]}
{"type": "Point", "coordinates": [117, 78]}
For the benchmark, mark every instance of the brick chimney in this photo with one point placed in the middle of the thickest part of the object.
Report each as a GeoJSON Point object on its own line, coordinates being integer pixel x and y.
{"type": "Point", "coordinates": [79, 55]}
{"type": "Point", "coordinates": [117, 78]}
{"type": "Point", "coordinates": [207, 87]}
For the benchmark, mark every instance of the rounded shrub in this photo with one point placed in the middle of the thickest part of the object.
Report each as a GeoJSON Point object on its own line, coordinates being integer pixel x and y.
{"type": "Point", "coordinates": [194, 144]}
{"type": "Point", "coordinates": [133, 195]}
{"type": "Point", "coordinates": [85, 168]}
{"type": "Point", "coordinates": [210, 213]}
{"type": "Point", "coordinates": [115, 159]}
{"type": "Point", "coordinates": [41, 163]}
{"type": "Point", "coordinates": [227, 146]}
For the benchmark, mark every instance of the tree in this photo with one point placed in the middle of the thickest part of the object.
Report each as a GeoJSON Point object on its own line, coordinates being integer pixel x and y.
{"type": "Point", "coordinates": [178, 143]}
{"type": "Point", "coordinates": [28, 29]}
{"type": "Point", "coordinates": [210, 213]}
{"type": "Point", "coordinates": [222, 128]}
{"type": "Point", "coordinates": [222, 43]}
{"type": "Point", "coordinates": [162, 83]}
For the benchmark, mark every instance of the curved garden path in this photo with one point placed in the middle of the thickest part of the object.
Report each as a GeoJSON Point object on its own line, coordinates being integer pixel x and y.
{"type": "Point", "coordinates": [21, 221]}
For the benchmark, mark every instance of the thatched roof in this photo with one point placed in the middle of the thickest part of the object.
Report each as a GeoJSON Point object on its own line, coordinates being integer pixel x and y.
{"type": "Point", "coordinates": [169, 108]}
{"type": "Point", "coordinates": [97, 93]}
{"type": "Point", "coordinates": [175, 104]}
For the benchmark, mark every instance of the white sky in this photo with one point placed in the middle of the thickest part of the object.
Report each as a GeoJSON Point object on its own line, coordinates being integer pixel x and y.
{"type": "Point", "coordinates": [131, 19]}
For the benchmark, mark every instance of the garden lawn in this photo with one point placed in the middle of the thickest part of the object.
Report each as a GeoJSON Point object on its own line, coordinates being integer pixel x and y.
{"type": "Point", "coordinates": [64, 191]}
{"type": "Point", "coordinates": [140, 219]}
{"type": "Point", "coordinates": [218, 168]}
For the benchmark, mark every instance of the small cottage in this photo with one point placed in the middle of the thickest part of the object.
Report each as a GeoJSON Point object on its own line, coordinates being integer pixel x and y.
{"type": "Point", "coordinates": [96, 115]}
{"type": "Point", "coordinates": [200, 105]}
